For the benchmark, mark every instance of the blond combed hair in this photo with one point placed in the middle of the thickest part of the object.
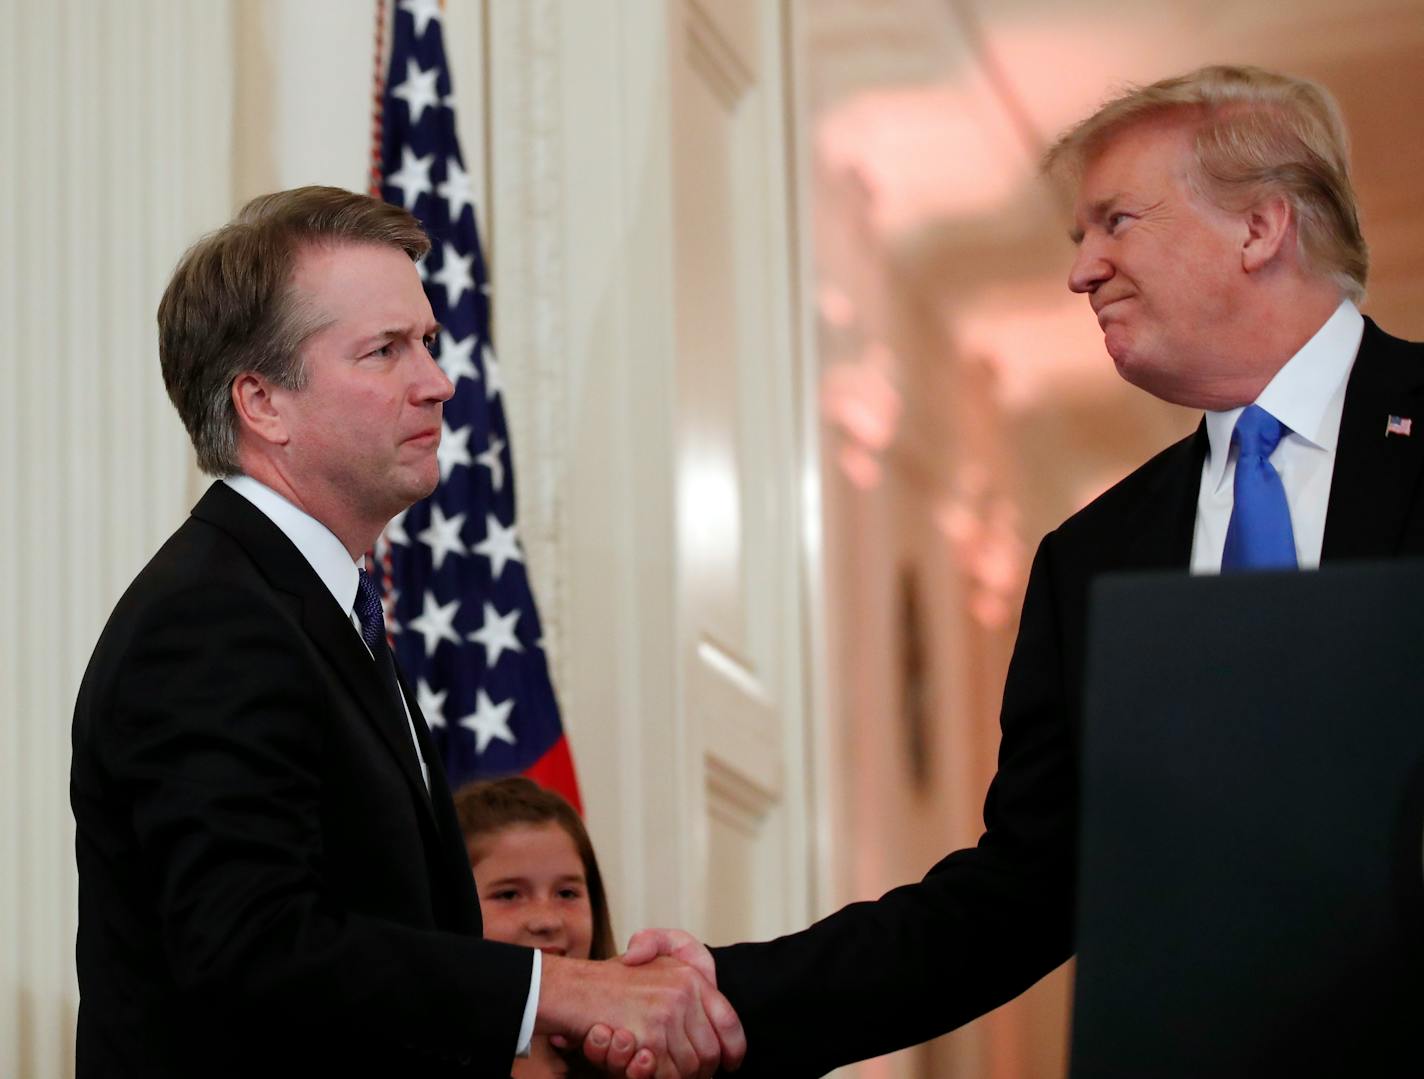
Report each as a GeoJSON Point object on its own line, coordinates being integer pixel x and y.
{"type": "Point", "coordinates": [1258, 134]}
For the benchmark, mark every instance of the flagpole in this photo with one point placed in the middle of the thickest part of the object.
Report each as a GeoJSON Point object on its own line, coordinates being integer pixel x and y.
{"type": "Point", "coordinates": [378, 94]}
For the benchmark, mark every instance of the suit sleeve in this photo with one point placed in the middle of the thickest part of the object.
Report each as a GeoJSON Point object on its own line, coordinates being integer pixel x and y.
{"type": "Point", "coordinates": [216, 740]}
{"type": "Point", "coordinates": [983, 925]}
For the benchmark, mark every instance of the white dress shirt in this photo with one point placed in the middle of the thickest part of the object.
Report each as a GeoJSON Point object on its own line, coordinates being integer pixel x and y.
{"type": "Point", "coordinates": [1308, 396]}
{"type": "Point", "coordinates": [330, 560]}
{"type": "Point", "coordinates": [327, 555]}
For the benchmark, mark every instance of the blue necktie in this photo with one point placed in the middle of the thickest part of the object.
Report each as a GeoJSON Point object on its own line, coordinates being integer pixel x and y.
{"type": "Point", "coordinates": [1259, 535]}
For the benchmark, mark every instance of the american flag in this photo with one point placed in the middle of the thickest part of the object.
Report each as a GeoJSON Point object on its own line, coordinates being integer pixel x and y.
{"type": "Point", "coordinates": [458, 602]}
{"type": "Point", "coordinates": [1398, 425]}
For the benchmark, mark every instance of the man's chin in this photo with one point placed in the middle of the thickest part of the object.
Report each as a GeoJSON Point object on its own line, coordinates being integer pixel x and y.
{"type": "Point", "coordinates": [1136, 371]}
{"type": "Point", "coordinates": [419, 486]}
{"type": "Point", "coordinates": [1132, 365]}
{"type": "Point", "coordinates": [1119, 344]}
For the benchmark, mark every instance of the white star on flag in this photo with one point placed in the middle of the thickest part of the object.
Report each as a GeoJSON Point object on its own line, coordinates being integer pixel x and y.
{"type": "Point", "coordinates": [455, 274]}
{"type": "Point", "coordinates": [443, 535]}
{"type": "Point", "coordinates": [493, 383]}
{"type": "Point", "coordinates": [395, 529]}
{"type": "Point", "coordinates": [418, 91]}
{"type": "Point", "coordinates": [413, 179]}
{"type": "Point", "coordinates": [497, 634]}
{"type": "Point", "coordinates": [500, 545]}
{"type": "Point", "coordinates": [431, 704]}
{"type": "Point", "coordinates": [393, 533]}
{"type": "Point", "coordinates": [423, 12]}
{"type": "Point", "coordinates": [457, 358]}
{"type": "Point", "coordinates": [489, 721]}
{"type": "Point", "coordinates": [492, 460]}
{"type": "Point", "coordinates": [454, 449]}
{"type": "Point", "coordinates": [436, 623]}
{"type": "Point", "coordinates": [456, 189]}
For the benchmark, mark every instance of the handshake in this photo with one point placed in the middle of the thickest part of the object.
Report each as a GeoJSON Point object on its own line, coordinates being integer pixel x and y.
{"type": "Point", "coordinates": [653, 1013]}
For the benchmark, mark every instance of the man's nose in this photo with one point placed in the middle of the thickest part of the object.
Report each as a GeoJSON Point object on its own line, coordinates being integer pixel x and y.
{"type": "Point", "coordinates": [435, 384]}
{"type": "Point", "coordinates": [1090, 268]}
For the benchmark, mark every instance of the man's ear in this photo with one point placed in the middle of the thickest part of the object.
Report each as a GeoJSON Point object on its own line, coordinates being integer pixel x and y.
{"type": "Point", "coordinates": [1270, 226]}
{"type": "Point", "coordinates": [258, 409]}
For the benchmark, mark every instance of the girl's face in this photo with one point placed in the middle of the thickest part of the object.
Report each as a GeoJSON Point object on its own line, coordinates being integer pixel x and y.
{"type": "Point", "coordinates": [532, 889]}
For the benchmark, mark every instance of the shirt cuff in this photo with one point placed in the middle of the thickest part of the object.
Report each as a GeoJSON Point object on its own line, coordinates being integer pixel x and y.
{"type": "Point", "coordinates": [531, 1007]}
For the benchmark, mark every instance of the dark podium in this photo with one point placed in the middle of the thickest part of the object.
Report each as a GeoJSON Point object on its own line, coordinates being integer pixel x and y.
{"type": "Point", "coordinates": [1251, 869]}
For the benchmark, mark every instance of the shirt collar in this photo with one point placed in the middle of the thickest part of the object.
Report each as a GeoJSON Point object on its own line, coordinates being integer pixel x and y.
{"type": "Point", "coordinates": [325, 553]}
{"type": "Point", "coordinates": [1302, 391]}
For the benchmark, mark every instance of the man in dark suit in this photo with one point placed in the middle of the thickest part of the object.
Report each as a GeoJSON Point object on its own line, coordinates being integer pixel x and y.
{"type": "Point", "coordinates": [1218, 243]}
{"type": "Point", "coordinates": [272, 880]}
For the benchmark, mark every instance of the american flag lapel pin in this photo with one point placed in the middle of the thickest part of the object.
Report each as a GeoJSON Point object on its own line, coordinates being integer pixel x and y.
{"type": "Point", "coordinates": [1398, 425]}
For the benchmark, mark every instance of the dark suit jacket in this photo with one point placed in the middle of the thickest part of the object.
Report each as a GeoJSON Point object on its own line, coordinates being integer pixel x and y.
{"type": "Point", "coordinates": [987, 922]}
{"type": "Point", "coordinates": [265, 887]}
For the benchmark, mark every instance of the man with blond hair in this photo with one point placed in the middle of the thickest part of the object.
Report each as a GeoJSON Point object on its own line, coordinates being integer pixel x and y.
{"type": "Point", "coordinates": [272, 879]}
{"type": "Point", "coordinates": [1219, 246]}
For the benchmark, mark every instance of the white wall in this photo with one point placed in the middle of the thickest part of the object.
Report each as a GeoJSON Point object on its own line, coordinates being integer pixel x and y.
{"type": "Point", "coordinates": [114, 136]}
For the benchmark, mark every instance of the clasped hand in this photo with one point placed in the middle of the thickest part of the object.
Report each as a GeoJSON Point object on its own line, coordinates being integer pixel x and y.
{"type": "Point", "coordinates": [654, 1013]}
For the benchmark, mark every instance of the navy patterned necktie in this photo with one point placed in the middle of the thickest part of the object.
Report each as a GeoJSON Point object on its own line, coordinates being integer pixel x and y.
{"type": "Point", "coordinates": [371, 615]}
{"type": "Point", "coordinates": [1259, 535]}
{"type": "Point", "coordinates": [370, 612]}
{"type": "Point", "coordinates": [373, 632]}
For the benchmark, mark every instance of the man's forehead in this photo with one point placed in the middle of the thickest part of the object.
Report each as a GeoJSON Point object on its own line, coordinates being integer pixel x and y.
{"type": "Point", "coordinates": [364, 287]}
{"type": "Point", "coordinates": [323, 257]}
{"type": "Point", "coordinates": [1164, 133]}
{"type": "Point", "coordinates": [1143, 152]}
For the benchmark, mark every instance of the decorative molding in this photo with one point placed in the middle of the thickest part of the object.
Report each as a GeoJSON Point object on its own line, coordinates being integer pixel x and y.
{"type": "Point", "coordinates": [736, 800]}
{"type": "Point", "coordinates": [525, 148]}
{"type": "Point", "coordinates": [715, 58]}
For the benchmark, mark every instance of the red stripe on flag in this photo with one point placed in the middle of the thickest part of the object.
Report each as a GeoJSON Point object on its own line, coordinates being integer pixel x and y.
{"type": "Point", "coordinates": [555, 771]}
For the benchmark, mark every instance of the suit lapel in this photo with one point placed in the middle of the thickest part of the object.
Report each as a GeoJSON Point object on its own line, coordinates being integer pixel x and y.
{"type": "Point", "coordinates": [285, 569]}
{"type": "Point", "coordinates": [1166, 519]}
{"type": "Point", "coordinates": [467, 904]}
{"type": "Point", "coordinates": [1376, 481]}
{"type": "Point", "coordinates": [334, 635]}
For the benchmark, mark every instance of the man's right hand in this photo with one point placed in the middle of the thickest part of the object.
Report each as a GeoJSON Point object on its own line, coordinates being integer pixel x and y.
{"type": "Point", "coordinates": [615, 1050]}
{"type": "Point", "coordinates": [648, 944]}
{"type": "Point", "coordinates": [659, 1019]}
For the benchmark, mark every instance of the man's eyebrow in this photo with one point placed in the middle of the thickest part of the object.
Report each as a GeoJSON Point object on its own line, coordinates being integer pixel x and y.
{"type": "Point", "coordinates": [392, 333]}
{"type": "Point", "coordinates": [1096, 211]}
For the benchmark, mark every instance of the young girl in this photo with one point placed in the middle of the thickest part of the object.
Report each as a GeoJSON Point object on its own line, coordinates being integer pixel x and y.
{"type": "Point", "coordinates": [539, 885]}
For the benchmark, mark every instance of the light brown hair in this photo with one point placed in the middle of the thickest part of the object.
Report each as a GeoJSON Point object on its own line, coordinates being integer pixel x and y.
{"type": "Point", "coordinates": [1257, 134]}
{"type": "Point", "coordinates": [230, 307]}
{"type": "Point", "coordinates": [489, 806]}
